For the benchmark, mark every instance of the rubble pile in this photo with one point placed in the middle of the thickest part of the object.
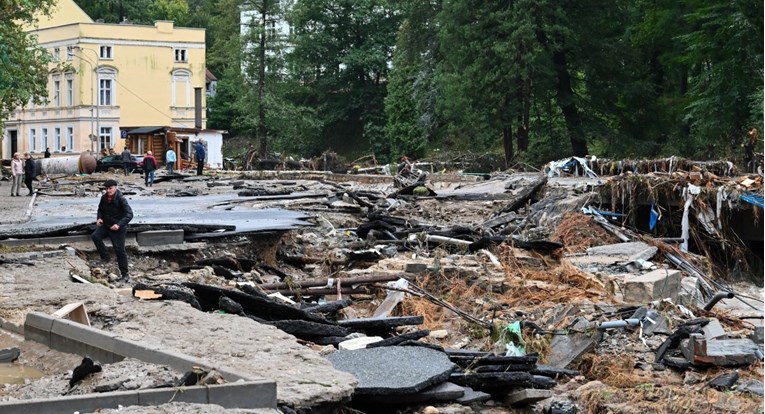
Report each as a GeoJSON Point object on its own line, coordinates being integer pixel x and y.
{"type": "Point", "coordinates": [561, 290]}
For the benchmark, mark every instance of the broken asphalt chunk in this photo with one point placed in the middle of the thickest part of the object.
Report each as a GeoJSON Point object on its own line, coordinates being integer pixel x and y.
{"type": "Point", "coordinates": [393, 370]}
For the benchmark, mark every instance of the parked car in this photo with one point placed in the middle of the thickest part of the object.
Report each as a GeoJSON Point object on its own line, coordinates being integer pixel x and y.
{"type": "Point", "coordinates": [114, 163]}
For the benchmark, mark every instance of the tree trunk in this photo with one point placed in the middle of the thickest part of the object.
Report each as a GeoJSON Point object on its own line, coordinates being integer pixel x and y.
{"type": "Point", "coordinates": [523, 117]}
{"type": "Point", "coordinates": [567, 106]}
{"type": "Point", "coordinates": [262, 82]}
{"type": "Point", "coordinates": [507, 143]}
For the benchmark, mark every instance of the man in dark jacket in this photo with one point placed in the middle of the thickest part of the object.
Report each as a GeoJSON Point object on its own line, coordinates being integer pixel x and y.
{"type": "Point", "coordinates": [200, 155]}
{"type": "Point", "coordinates": [29, 172]}
{"type": "Point", "coordinates": [114, 214]}
{"type": "Point", "coordinates": [149, 165]}
{"type": "Point", "coordinates": [127, 160]}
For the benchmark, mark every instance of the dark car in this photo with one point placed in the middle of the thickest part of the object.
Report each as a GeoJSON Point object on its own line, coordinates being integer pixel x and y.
{"type": "Point", "coordinates": [114, 163]}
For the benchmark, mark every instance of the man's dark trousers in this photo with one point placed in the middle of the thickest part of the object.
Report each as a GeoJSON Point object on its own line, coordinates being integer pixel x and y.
{"type": "Point", "coordinates": [200, 166]}
{"type": "Point", "coordinates": [127, 168]}
{"type": "Point", "coordinates": [118, 241]}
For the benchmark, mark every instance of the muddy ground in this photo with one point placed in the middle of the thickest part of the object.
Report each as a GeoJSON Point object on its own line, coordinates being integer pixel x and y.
{"type": "Point", "coordinates": [617, 377]}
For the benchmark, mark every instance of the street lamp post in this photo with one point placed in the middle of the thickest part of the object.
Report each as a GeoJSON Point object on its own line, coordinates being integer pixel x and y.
{"type": "Point", "coordinates": [93, 102]}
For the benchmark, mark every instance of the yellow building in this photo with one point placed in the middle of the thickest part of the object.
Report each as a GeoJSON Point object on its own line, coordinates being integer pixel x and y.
{"type": "Point", "coordinates": [108, 77]}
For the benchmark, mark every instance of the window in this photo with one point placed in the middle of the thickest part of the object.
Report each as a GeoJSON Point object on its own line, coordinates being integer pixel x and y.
{"type": "Point", "coordinates": [69, 91]}
{"type": "Point", "coordinates": [32, 139]}
{"type": "Point", "coordinates": [106, 52]}
{"type": "Point", "coordinates": [181, 88]}
{"type": "Point", "coordinates": [44, 137]}
{"type": "Point", "coordinates": [56, 139]}
{"type": "Point", "coordinates": [69, 53]}
{"type": "Point", "coordinates": [56, 92]}
{"type": "Point", "coordinates": [56, 54]}
{"type": "Point", "coordinates": [105, 138]}
{"type": "Point", "coordinates": [107, 79]}
{"type": "Point", "coordinates": [180, 55]}
{"type": "Point", "coordinates": [69, 139]}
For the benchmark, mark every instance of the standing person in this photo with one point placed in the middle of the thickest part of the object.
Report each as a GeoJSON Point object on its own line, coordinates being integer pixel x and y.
{"type": "Point", "coordinates": [200, 154]}
{"type": "Point", "coordinates": [29, 172]}
{"type": "Point", "coordinates": [126, 159]}
{"type": "Point", "coordinates": [149, 165]}
{"type": "Point", "coordinates": [17, 170]}
{"type": "Point", "coordinates": [114, 214]}
{"type": "Point", "coordinates": [47, 152]}
{"type": "Point", "coordinates": [170, 160]}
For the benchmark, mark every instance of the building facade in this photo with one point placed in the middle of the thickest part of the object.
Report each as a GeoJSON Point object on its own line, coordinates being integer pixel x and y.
{"type": "Point", "coordinates": [106, 77]}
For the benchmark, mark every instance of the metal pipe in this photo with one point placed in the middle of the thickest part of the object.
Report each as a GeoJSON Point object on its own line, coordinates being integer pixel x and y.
{"type": "Point", "coordinates": [716, 298]}
{"type": "Point", "coordinates": [619, 324]}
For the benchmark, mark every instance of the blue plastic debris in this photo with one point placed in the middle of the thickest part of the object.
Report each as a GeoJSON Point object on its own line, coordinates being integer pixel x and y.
{"type": "Point", "coordinates": [753, 199]}
{"type": "Point", "coordinates": [653, 218]}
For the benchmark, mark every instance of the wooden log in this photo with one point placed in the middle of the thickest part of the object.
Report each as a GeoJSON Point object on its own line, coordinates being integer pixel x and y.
{"type": "Point", "coordinates": [493, 380]}
{"type": "Point", "coordinates": [464, 360]}
{"type": "Point", "coordinates": [523, 196]}
{"type": "Point", "coordinates": [329, 307]}
{"type": "Point", "coordinates": [345, 281]}
{"type": "Point", "coordinates": [381, 323]}
{"type": "Point", "coordinates": [308, 330]}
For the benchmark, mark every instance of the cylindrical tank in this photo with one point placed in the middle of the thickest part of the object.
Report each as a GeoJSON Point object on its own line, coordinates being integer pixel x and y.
{"type": "Point", "coordinates": [84, 163]}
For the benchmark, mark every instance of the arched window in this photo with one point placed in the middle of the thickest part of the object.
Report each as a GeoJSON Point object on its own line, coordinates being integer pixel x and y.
{"type": "Point", "coordinates": [107, 87]}
{"type": "Point", "coordinates": [181, 88]}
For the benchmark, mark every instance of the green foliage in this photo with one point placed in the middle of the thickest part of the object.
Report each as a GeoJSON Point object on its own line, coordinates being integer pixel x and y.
{"type": "Point", "coordinates": [23, 64]}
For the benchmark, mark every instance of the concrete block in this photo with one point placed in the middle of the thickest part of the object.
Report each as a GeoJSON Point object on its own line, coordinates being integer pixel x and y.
{"type": "Point", "coordinates": [37, 327]}
{"type": "Point", "coordinates": [159, 396]}
{"type": "Point", "coordinates": [159, 237]}
{"type": "Point", "coordinates": [527, 397]}
{"type": "Point", "coordinates": [76, 338]}
{"type": "Point", "coordinates": [87, 403]}
{"type": "Point", "coordinates": [260, 394]}
{"type": "Point", "coordinates": [656, 285]}
{"type": "Point", "coordinates": [71, 251]}
{"type": "Point", "coordinates": [720, 352]}
{"type": "Point", "coordinates": [713, 330]}
{"type": "Point", "coordinates": [564, 349]}
{"type": "Point", "coordinates": [130, 349]}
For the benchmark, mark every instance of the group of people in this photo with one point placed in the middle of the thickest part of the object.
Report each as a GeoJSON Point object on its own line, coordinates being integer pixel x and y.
{"type": "Point", "coordinates": [22, 168]}
{"type": "Point", "coordinates": [150, 163]}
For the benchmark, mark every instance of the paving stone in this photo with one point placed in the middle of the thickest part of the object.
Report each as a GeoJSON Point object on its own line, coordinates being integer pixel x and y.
{"type": "Point", "coordinates": [393, 370]}
{"type": "Point", "coordinates": [527, 397]}
{"type": "Point", "coordinates": [656, 285]}
{"type": "Point", "coordinates": [472, 396]}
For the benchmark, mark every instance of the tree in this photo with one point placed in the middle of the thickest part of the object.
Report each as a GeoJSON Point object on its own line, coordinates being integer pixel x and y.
{"type": "Point", "coordinates": [342, 52]}
{"type": "Point", "coordinates": [23, 64]}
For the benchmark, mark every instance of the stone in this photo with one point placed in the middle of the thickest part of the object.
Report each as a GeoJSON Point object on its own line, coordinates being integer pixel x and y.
{"type": "Point", "coordinates": [655, 323]}
{"type": "Point", "coordinates": [439, 334]}
{"type": "Point", "coordinates": [656, 285]}
{"type": "Point", "coordinates": [689, 294]}
{"type": "Point", "coordinates": [625, 250]}
{"type": "Point", "coordinates": [564, 349]}
{"type": "Point", "coordinates": [756, 336]}
{"type": "Point", "coordinates": [393, 370]}
{"type": "Point", "coordinates": [752, 386]}
{"type": "Point", "coordinates": [563, 407]}
{"type": "Point", "coordinates": [724, 382]}
{"type": "Point", "coordinates": [446, 391]}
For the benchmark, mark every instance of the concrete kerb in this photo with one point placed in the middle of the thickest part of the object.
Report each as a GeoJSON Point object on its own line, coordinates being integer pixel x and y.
{"type": "Point", "coordinates": [72, 337]}
{"type": "Point", "coordinates": [245, 395]}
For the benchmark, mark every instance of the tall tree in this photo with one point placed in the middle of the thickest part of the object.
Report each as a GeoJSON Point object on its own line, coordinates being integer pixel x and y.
{"type": "Point", "coordinates": [23, 64]}
{"type": "Point", "coordinates": [342, 52]}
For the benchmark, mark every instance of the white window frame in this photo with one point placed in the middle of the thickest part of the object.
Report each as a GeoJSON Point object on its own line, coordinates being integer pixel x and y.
{"type": "Point", "coordinates": [56, 90]}
{"type": "Point", "coordinates": [32, 139]}
{"type": "Point", "coordinates": [105, 137]}
{"type": "Point", "coordinates": [56, 54]}
{"type": "Point", "coordinates": [106, 52]}
{"type": "Point", "coordinates": [69, 53]}
{"type": "Point", "coordinates": [56, 139]}
{"type": "Point", "coordinates": [69, 139]}
{"type": "Point", "coordinates": [44, 138]}
{"type": "Point", "coordinates": [69, 90]}
{"type": "Point", "coordinates": [107, 87]}
{"type": "Point", "coordinates": [180, 76]}
{"type": "Point", "coordinates": [181, 55]}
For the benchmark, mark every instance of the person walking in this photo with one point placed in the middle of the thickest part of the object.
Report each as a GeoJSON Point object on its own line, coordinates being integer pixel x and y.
{"type": "Point", "coordinates": [47, 152]}
{"type": "Point", "coordinates": [114, 214]}
{"type": "Point", "coordinates": [170, 159]}
{"type": "Point", "coordinates": [126, 160]}
{"type": "Point", "coordinates": [17, 171]}
{"type": "Point", "coordinates": [30, 172]}
{"type": "Point", "coordinates": [149, 165]}
{"type": "Point", "coordinates": [200, 155]}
